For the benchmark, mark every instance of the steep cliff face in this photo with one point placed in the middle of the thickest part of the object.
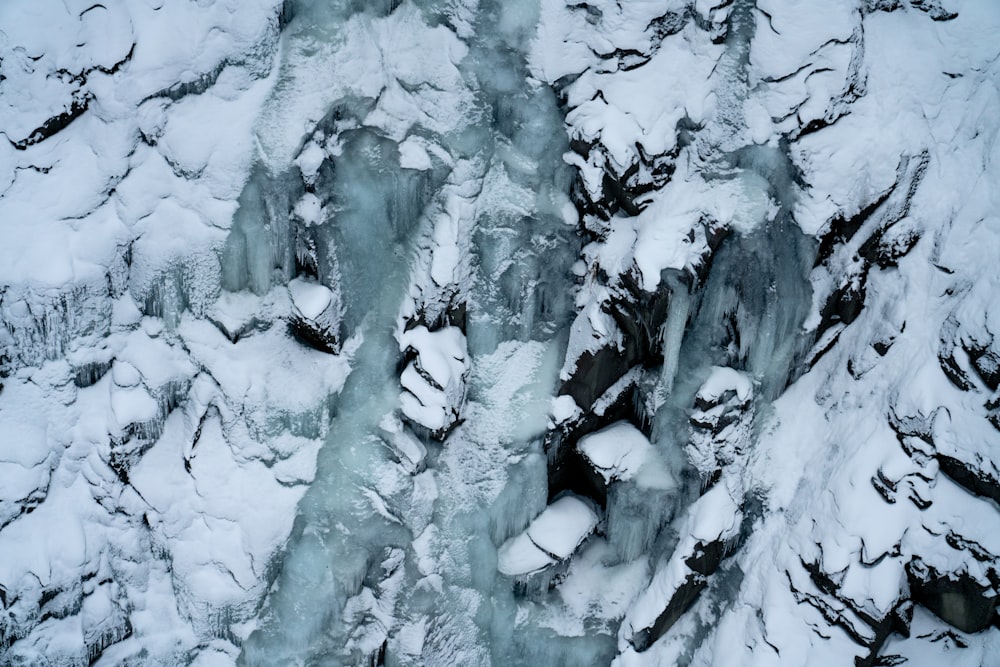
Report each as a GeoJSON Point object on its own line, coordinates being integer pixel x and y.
{"type": "Point", "coordinates": [472, 332]}
{"type": "Point", "coordinates": [811, 158]}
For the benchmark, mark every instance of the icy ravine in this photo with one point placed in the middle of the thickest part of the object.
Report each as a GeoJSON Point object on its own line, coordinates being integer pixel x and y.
{"type": "Point", "coordinates": [314, 361]}
{"type": "Point", "coordinates": [395, 530]}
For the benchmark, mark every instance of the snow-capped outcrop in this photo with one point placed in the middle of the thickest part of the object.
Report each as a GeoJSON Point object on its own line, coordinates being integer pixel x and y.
{"type": "Point", "coordinates": [316, 314]}
{"type": "Point", "coordinates": [434, 381]}
{"type": "Point", "coordinates": [551, 538]}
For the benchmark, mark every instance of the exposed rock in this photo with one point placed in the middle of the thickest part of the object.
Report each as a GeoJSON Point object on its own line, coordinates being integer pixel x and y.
{"type": "Point", "coordinates": [956, 598]}
{"type": "Point", "coordinates": [316, 315]}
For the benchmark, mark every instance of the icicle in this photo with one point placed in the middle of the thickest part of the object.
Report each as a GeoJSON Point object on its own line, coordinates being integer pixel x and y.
{"type": "Point", "coordinates": [672, 334]}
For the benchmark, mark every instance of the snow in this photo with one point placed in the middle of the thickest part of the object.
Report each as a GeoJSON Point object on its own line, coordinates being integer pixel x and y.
{"type": "Point", "coordinates": [125, 374]}
{"type": "Point", "coordinates": [310, 299]}
{"type": "Point", "coordinates": [152, 175]}
{"type": "Point", "coordinates": [309, 209]}
{"type": "Point", "coordinates": [266, 375]}
{"type": "Point", "coordinates": [563, 525]}
{"type": "Point", "coordinates": [617, 452]}
{"type": "Point", "coordinates": [554, 535]}
{"type": "Point", "coordinates": [413, 155]}
{"type": "Point", "coordinates": [407, 168]}
{"type": "Point", "coordinates": [519, 555]}
{"type": "Point", "coordinates": [133, 406]}
{"type": "Point", "coordinates": [434, 381]}
{"type": "Point", "coordinates": [309, 161]}
{"type": "Point", "coordinates": [564, 408]}
{"type": "Point", "coordinates": [722, 379]}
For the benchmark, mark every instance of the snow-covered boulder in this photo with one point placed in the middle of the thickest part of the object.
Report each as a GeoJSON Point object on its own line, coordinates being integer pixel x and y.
{"type": "Point", "coordinates": [316, 314]}
{"type": "Point", "coordinates": [551, 538]}
{"type": "Point", "coordinates": [616, 452]}
{"type": "Point", "coordinates": [434, 380]}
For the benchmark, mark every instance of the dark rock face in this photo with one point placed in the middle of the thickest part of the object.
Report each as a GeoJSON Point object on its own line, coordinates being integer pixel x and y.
{"type": "Point", "coordinates": [957, 599]}
{"type": "Point", "coordinates": [595, 373]}
{"type": "Point", "coordinates": [567, 468]}
{"type": "Point", "coordinates": [78, 106]}
{"type": "Point", "coordinates": [323, 338]}
{"type": "Point", "coordinates": [706, 557]}
{"type": "Point", "coordinates": [971, 476]}
{"type": "Point", "coordinates": [682, 600]}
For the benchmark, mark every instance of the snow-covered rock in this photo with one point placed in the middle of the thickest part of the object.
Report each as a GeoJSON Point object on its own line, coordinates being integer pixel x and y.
{"type": "Point", "coordinates": [552, 537]}
{"type": "Point", "coordinates": [434, 381]}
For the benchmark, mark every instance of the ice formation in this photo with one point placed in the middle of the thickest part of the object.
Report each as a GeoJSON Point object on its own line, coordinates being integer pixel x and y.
{"type": "Point", "coordinates": [499, 332]}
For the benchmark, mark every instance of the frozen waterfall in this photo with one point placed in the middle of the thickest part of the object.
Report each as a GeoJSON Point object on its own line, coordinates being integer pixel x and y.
{"type": "Point", "coordinates": [499, 332]}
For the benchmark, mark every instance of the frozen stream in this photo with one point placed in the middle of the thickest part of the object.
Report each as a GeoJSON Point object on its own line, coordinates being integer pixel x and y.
{"type": "Point", "coordinates": [393, 558]}
{"type": "Point", "coordinates": [400, 564]}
